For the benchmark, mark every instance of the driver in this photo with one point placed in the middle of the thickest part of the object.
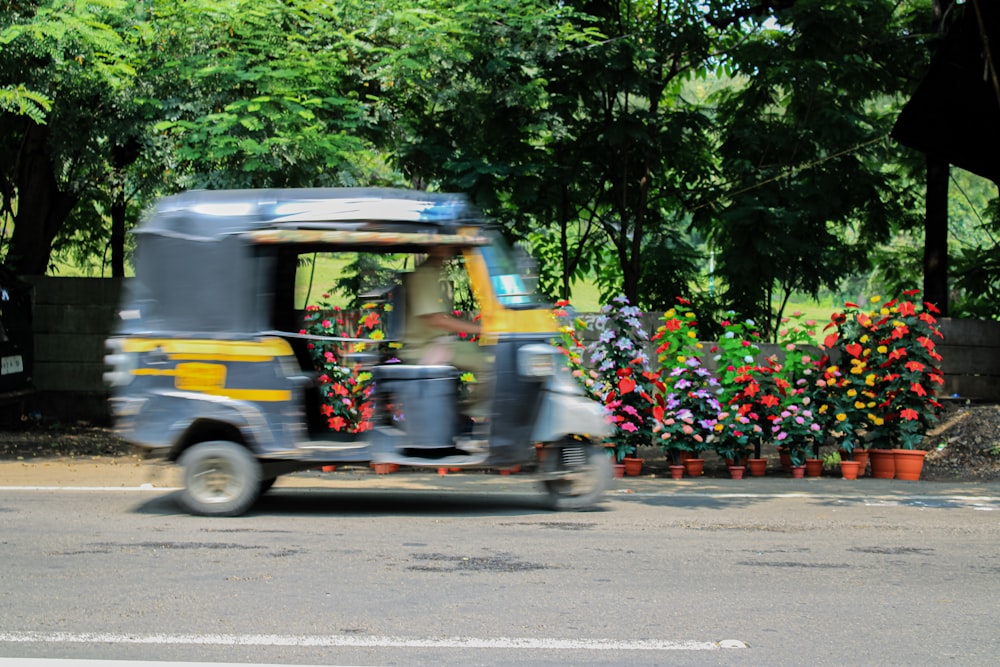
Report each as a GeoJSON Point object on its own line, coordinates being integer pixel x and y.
{"type": "Point", "coordinates": [430, 333]}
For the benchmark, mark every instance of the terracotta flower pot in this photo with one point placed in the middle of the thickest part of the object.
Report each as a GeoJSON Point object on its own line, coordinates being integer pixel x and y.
{"type": "Point", "coordinates": [694, 467]}
{"type": "Point", "coordinates": [785, 458]}
{"type": "Point", "coordinates": [814, 467]}
{"type": "Point", "coordinates": [757, 467]}
{"type": "Point", "coordinates": [849, 469]}
{"type": "Point", "coordinates": [861, 456]}
{"type": "Point", "coordinates": [385, 468]}
{"type": "Point", "coordinates": [737, 472]}
{"type": "Point", "coordinates": [909, 463]}
{"type": "Point", "coordinates": [676, 472]}
{"type": "Point", "coordinates": [883, 463]}
{"type": "Point", "coordinates": [798, 472]}
{"type": "Point", "coordinates": [633, 465]}
{"type": "Point", "coordinates": [619, 469]}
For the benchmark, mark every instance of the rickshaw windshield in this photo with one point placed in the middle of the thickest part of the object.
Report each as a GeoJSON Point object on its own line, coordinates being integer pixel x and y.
{"type": "Point", "coordinates": [513, 275]}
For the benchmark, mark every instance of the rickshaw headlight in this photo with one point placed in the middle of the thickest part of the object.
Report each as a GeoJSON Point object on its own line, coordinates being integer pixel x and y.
{"type": "Point", "coordinates": [537, 360]}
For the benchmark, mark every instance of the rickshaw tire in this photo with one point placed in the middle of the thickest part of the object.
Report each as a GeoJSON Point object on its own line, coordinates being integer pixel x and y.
{"type": "Point", "coordinates": [221, 478]}
{"type": "Point", "coordinates": [266, 484]}
{"type": "Point", "coordinates": [560, 493]}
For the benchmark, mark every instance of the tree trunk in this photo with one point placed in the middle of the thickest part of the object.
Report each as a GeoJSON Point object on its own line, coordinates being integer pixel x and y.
{"type": "Point", "coordinates": [118, 208]}
{"type": "Point", "coordinates": [936, 234]}
{"type": "Point", "coordinates": [42, 207]}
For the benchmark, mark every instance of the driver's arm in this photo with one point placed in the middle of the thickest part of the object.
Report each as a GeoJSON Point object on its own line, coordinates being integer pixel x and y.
{"type": "Point", "coordinates": [450, 324]}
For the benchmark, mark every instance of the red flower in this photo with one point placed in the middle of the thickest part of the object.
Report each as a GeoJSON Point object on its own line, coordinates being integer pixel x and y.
{"type": "Point", "coordinates": [769, 400]}
{"type": "Point", "coordinates": [914, 366]}
{"type": "Point", "coordinates": [918, 389]}
{"type": "Point", "coordinates": [854, 349]}
{"type": "Point", "coordinates": [906, 309]}
{"type": "Point", "coordinates": [897, 354]}
{"type": "Point", "coordinates": [909, 414]}
{"type": "Point", "coordinates": [626, 385]}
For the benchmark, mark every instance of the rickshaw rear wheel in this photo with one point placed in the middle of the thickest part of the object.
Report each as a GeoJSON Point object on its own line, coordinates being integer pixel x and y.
{"type": "Point", "coordinates": [584, 474]}
{"type": "Point", "coordinates": [221, 478]}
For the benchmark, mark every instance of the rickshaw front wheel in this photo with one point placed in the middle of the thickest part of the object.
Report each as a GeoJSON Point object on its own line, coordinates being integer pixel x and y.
{"type": "Point", "coordinates": [220, 479]}
{"type": "Point", "coordinates": [580, 475]}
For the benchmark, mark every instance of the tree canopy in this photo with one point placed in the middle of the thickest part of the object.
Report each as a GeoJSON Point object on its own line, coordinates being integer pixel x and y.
{"type": "Point", "coordinates": [620, 141]}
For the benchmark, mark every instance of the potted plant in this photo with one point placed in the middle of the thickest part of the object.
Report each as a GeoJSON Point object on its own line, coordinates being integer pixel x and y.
{"type": "Point", "coordinates": [624, 381]}
{"type": "Point", "coordinates": [886, 388]}
{"type": "Point", "coordinates": [733, 441]}
{"type": "Point", "coordinates": [687, 405]}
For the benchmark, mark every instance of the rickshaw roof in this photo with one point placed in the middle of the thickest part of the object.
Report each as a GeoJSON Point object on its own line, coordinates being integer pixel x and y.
{"type": "Point", "coordinates": [297, 215]}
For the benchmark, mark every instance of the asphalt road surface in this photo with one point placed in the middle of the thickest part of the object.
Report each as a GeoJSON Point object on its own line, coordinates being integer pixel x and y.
{"type": "Point", "coordinates": [473, 572]}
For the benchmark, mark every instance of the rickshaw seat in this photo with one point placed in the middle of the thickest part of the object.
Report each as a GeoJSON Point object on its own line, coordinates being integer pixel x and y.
{"type": "Point", "coordinates": [389, 372]}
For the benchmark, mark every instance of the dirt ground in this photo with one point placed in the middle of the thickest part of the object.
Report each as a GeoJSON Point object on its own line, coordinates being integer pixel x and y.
{"type": "Point", "coordinates": [965, 446]}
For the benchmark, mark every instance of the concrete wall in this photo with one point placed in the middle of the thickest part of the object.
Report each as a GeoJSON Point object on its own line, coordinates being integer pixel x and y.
{"type": "Point", "coordinates": [73, 316]}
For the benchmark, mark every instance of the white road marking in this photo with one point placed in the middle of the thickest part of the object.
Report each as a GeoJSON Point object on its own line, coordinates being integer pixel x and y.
{"type": "Point", "coordinates": [144, 487]}
{"type": "Point", "coordinates": [69, 662]}
{"type": "Point", "coordinates": [533, 643]}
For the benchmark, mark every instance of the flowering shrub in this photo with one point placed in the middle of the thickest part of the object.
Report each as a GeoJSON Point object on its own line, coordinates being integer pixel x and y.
{"type": "Point", "coordinates": [736, 350]}
{"type": "Point", "coordinates": [624, 381]}
{"type": "Point", "coordinates": [687, 408]}
{"type": "Point", "coordinates": [884, 387]}
{"type": "Point", "coordinates": [344, 386]}
{"type": "Point", "coordinates": [872, 381]}
{"type": "Point", "coordinates": [687, 405]}
{"type": "Point", "coordinates": [574, 350]}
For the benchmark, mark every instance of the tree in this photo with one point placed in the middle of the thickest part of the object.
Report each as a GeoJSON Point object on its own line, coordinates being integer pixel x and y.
{"type": "Point", "coordinates": [262, 94]}
{"type": "Point", "coordinates": [62, 67]}
{"type": "Point", "coordinates": [809, 186]}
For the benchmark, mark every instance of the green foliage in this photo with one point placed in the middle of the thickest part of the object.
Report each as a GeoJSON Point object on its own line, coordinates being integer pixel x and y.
{"type": "Point", "coordinates": [807, 192]}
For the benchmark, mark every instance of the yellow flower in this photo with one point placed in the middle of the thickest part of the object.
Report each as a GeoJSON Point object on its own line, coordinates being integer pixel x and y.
{"type": "Point", "coordinates": [681, 359]}
{"type": "Point", "coordinates": [377, 335]}
{"type": "Point", "coordinates": [875, 299]}
{"type": "Point", "coordinates": [719, 427]}
{"type": "Point", "coordinates": [841, 417]}
{"type": "Point", "coordinates": [884, 312]}
{"type": "Point", "coordinates": [860, 405]}
{"type": "Point", "coordinates": [871, 404]}
{"type": "Point", "coordinates": [669, 315]}
{"type": "Point", "coordinates": [823, 408]}
{"type": "Point", "coordinates": [698, 346]}
{"type": "Point", "coordinates": [852, 392]}
{"type": "Point", "coordinates": [882, 349]}
{"type": "Point", "coordinates": [864, 339]}
{"type": "Point", "coordinates": [870, 380]}
{"type": "Point", "coordinates": [692, 334]}
{"type": "Point", "coordinates": [878, 421]}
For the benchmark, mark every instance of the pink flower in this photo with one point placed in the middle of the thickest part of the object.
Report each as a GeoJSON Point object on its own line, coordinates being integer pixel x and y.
{"type": "Point", "coordinates": [630, 427]}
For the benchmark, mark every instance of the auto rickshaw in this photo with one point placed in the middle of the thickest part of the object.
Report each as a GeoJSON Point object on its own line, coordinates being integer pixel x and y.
{"type": "Point", "coordinates": [210, 365]}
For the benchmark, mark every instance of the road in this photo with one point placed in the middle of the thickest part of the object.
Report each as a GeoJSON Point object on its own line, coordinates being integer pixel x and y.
{"type": "Point", "coordinates": [472, 572]}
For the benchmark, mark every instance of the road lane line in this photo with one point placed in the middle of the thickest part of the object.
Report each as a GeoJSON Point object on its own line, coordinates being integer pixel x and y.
{"type": "Point", "coordinates": [374, 641]}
